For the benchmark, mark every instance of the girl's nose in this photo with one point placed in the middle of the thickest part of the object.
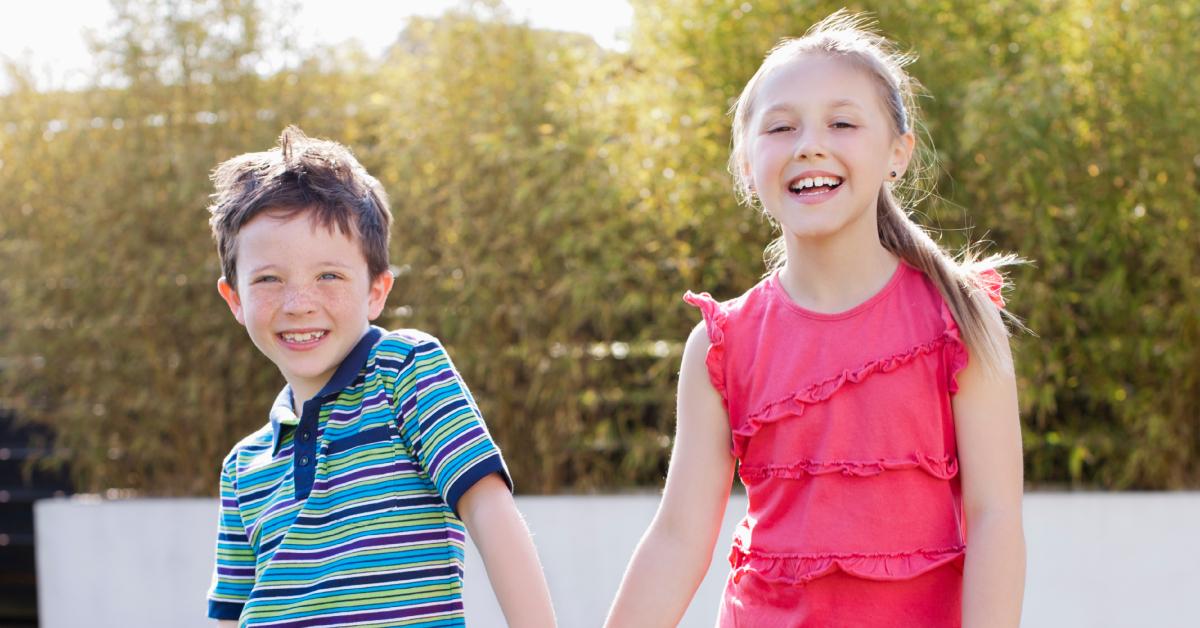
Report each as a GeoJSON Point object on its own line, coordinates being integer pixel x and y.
{"type": "Point", "coordinates": [809, 145]}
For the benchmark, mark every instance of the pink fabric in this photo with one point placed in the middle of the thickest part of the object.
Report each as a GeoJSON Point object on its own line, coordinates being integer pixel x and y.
{"type": "Point", "coordinates": [844, 433]}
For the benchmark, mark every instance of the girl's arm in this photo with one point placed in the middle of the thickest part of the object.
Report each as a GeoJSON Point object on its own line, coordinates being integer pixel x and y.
{"type": "Point", "coordinates": [503, 541]}
{"type": "Point", "coordinates": [676, 550]}
{"type": "Point", "coordinates": [988, 429]}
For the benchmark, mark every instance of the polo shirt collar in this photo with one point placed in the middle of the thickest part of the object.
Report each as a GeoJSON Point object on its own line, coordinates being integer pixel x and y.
{"type": "Point", "coordinates": [282, 414]}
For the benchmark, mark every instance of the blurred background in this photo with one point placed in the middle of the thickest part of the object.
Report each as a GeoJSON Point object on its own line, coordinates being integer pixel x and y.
{"type": "Point", "coordinates": [557, 174]}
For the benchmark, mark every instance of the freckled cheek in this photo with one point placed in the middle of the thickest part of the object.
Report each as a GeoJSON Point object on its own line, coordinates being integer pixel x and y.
{"type": "Point", "coordinates": [261, 307]}
{"type": "Point", "coordinates": [343, 297]}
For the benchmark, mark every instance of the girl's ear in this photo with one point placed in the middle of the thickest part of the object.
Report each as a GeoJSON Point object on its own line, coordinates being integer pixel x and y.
{"type": "Point", "coordinates": [902, 150]}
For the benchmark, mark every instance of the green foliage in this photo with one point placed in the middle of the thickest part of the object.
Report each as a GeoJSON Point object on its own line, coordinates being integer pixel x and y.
{"type": "Point", "coordinates": [553, 200]}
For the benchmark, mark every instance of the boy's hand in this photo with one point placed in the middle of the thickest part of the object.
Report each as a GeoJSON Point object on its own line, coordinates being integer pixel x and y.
{"type": "Point", "coordinates": [503, 540]}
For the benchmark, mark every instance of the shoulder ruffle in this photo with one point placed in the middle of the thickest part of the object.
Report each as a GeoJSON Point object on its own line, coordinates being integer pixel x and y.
{"type": "Point", "coordinates": [941, 467]}
{"type": "Point", "coordinates": [956, 349]}
{"type": "Point", "coordinates": [795, 403]}
{"type": "Point", "coordinates": [714, 321]}
{"type": "Point", "coordinates": [799, 569]}
{"type": "Point", "coordinates": [992, 282]}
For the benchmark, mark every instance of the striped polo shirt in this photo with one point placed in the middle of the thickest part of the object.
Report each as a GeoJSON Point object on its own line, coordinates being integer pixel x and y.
{"type": "Point", "coordinates": [345, 515]}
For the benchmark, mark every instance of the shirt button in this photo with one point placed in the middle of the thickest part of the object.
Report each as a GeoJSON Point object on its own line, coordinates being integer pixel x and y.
{"type": "Point", "coordinates": [304, 436]}
{"type": "Point", "coordinates": [304, 461]}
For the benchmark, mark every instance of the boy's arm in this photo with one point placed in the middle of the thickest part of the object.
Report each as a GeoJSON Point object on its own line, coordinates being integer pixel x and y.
{"type": "Point", "coordinates": [989, 449]}
{"type": "Point", "coordinates": [503, 540]}
{"type": "Point", "coordinates": [226, 623]}
{"type": "Point", "coordinates": [674, 555]}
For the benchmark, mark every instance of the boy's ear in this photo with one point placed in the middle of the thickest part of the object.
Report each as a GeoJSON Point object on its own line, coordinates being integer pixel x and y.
{"type": "Point", "coordinates": [377, 297]}
{"type": "Point", "coordinates": [229, 293]}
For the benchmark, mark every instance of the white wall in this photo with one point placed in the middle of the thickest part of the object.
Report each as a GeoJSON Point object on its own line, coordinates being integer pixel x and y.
{"type": "Point", "coordinates": [1095, 560]}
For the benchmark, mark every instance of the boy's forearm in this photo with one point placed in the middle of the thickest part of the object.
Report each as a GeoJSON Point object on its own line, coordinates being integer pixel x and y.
{"type": "Point", "coordinates": [226, 623]}
{"type": "Point", "coordinates": [994, 573]}
{"type": "Point", "coordinates": [663, 575]}
{"type": "Point", "coordinates": [508, 553]}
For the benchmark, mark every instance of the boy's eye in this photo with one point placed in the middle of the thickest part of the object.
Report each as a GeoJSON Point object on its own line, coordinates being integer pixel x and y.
{"type": "Point", "coordinates": [265, 279]}
{"type": "Point", "coordinates": [329, 276]}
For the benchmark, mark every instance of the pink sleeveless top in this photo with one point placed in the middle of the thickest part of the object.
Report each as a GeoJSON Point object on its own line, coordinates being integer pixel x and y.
{"type": "Point", "coordinates": [844, 433]}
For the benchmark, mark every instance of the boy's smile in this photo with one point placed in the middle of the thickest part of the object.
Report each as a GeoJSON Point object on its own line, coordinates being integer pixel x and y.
{"type": "Point", "coordinates": [304, 295]}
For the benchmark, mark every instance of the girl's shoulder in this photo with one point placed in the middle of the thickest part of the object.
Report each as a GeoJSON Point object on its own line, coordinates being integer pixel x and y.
{"type": "Point", "coordinates": [713, 308]}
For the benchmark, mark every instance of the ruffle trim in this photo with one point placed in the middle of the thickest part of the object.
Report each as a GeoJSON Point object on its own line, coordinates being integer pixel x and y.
{"type": "Point", "coordinates": [714, 321]}
{"type": "Point", "coordinates": [992, 282]}
{"type": "Point", "coordinates": [941, 467]}
{"type": "Point", "coordinates": [795, 404]}
{"type": "Point", "coordinates": [956, 349]}
{"type": "Point", "coordinates": [800, 569]}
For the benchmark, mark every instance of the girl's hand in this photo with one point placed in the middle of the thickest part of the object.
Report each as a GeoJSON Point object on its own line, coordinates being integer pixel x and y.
{"type": "Point", "coordinates": [674, 555]}
{"type": "Point", "coordinates": [988, 429]}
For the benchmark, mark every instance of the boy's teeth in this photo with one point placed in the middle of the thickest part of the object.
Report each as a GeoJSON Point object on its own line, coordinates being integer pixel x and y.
{"type": "Point", "coordinates": [305, 337]}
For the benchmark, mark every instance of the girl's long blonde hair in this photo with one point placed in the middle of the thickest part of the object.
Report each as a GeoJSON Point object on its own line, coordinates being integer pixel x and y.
{"type": "Point", "coordinates": [850, 37]}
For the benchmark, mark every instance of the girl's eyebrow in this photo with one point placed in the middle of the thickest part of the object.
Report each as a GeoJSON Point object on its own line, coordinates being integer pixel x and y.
{"type": "Point", "coordinates": [841, 103]}
{"type": "Point", "coordinates": [845, 102]}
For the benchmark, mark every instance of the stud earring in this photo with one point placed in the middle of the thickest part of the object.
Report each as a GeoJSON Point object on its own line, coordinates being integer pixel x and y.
{"type": "Point", "coordinates": [893, 174]}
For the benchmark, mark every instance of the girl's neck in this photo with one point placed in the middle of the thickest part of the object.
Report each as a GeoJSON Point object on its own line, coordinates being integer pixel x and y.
{"type": "Point", "coordinates": [831, 277]}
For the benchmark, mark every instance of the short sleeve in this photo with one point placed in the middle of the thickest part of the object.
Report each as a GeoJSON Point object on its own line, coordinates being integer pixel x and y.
{"type": "Point", "coordinates": [714, 322]}
{"type": "Point", "coordinates": [439, 419]}
{"type": "Point", "coordinates": [233, 573]}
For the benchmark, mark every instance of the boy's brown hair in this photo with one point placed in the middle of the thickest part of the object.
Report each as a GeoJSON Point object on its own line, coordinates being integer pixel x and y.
{"type": "Point", "coordinates": [302, 174]}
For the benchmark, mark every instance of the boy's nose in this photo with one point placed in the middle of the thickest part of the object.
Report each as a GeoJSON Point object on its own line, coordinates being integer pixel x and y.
{"type": "Point", "coordinates": [298, 301]}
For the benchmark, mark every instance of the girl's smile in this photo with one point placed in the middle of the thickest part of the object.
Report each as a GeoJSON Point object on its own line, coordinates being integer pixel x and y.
{"type": "Point", "coordinates": [814, 187]}
{"type": "Point", "coordinates": [821, 140]}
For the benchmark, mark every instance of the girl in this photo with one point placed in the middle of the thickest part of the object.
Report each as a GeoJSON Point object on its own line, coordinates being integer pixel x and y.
{"type": "Point", "coordinates": [870, 446]}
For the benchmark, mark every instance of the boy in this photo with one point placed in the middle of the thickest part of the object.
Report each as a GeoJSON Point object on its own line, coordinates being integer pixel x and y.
{"type": "Point", "coordinates": [348, 506]}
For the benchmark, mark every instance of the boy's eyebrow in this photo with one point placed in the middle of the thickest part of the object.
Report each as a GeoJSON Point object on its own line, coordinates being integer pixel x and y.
{"type": "Point", "coordinates": [259, 269]}
{"type": "Point", "coordinates": [326, 263]}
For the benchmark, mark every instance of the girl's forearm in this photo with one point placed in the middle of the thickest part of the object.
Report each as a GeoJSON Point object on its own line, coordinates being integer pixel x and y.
{"type": "Point", "coordinates": [994, 574]}
{"type": "Point", "coordinates": [661, 580]}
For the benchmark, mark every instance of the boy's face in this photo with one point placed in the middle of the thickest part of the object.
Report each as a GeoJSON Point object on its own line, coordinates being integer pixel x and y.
{"type": "Point", "coordinates": [304, 295]}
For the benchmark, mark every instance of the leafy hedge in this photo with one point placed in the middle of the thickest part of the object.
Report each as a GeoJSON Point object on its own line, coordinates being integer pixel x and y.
{"type": "Point", "coordinates": [553, 200]}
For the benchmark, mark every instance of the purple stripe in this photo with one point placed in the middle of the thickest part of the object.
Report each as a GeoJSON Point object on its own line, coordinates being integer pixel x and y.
{"type": "Point", "coordinates": [450, 448]}
{"type": "Point", "coordinates": [382, 471]}
{"type": "Point", "coordinates": [430, 380]}
{"type": "Point", "coordinates": [396, 539]}
{"type": "Point", "coordinates": [235, 571]}
{"type": "Point", "coordinates": [399, 613]}
{"type": "Point", "coordinates": [358, 409]}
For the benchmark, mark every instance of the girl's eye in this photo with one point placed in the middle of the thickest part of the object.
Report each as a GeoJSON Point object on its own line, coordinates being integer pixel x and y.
{"type": "Point", "coordinates": [783, 128]}
{"type": "Point", "coordinates": [842, 125]}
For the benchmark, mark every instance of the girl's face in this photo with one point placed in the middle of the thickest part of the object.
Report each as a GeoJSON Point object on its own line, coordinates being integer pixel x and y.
{"type": "Point", "coordinates": [820, 144]}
